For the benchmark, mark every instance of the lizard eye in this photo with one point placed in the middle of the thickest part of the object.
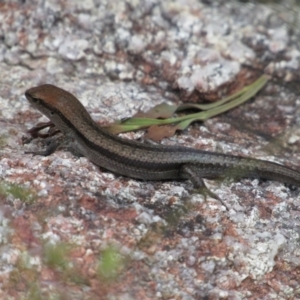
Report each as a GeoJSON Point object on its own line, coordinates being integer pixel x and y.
{"type": "Point", "coordinates": [31, 98]}
{"type": "Point", "coordinates": [35, 100]}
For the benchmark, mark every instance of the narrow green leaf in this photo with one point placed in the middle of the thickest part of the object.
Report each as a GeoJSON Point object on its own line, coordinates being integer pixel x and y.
{"type": "Point", "coordinates": [209, 110]}
{"type": "Point", "coordinates": [163, 110]}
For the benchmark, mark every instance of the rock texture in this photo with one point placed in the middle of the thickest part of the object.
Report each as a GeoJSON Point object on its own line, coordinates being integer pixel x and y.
{"type": "Point", "coordinates": [69, 230]}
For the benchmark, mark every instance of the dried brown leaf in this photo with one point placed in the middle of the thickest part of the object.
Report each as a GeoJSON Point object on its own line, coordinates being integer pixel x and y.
{"type": "Point", "coordinates": [157, 133]}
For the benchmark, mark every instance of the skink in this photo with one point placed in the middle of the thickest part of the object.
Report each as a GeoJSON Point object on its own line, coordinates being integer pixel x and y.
{"type": "Point", "coordinates": [145, 161]}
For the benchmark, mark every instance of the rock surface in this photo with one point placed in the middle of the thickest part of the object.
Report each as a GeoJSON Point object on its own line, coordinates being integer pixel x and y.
{"type": "Point", "coordinates": [72, 231]}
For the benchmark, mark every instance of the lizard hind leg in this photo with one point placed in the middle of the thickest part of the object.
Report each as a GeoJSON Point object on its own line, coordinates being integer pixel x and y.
{"type": "Point", "coordinates": [193, 173]}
